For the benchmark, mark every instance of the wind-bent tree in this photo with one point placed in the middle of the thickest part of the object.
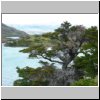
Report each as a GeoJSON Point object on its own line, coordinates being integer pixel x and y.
{"type": "Point", "coordinates": [67, 41]}
{"type": "Point", "coordinates": [62, 47]}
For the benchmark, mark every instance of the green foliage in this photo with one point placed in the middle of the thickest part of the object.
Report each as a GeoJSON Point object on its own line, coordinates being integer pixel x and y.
{"type": "Point", "coordinates": [42, 42]}
{"type": "Point", "coordinates": [23, 82]}
{"type": "Point", "coordinates": [23, 42]}
{"type": "Point", "coordinates": [89, 62]}
{"type": "Point", "coordinates": [86, 63]}
{"type": "Point", "coordinates": [77, 28]}
{"type": "Point", "coordinates": [85, 82]}
{"type": "Point", "coordinates": [35, 76]}
{"type": "Point", "coordinates": [65, 27]}
{"type": "Point", "coordinates": [65, 43]}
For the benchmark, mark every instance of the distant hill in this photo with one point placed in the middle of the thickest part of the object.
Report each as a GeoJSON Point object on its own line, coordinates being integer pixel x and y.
{"type": "Point", "coordinates": [8, 31]}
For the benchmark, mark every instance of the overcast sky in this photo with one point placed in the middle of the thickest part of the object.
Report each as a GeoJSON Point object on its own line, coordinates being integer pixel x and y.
{"type": "Point", "coordinates": [54, 20]}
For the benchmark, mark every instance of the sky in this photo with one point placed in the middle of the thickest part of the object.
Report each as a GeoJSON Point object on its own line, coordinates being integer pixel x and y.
{"type": "Point", "coordinates": [48, 22]}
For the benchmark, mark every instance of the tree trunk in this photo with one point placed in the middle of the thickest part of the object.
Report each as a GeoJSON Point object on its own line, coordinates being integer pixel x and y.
{"type": "Point", "coordinates": [66, 63]}
{"type": "Point", "coordinates": [64, 66]}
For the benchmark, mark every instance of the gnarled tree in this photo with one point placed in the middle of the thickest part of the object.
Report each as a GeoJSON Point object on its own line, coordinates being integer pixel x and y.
{"type": "Point", "coordinates": [66, 41]}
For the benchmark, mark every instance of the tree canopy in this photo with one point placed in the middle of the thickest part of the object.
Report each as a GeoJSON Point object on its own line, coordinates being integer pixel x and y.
{"type": "Point", "coordinates": [65, 46]}
{"type": "Point", "coordinates": [62, 47]}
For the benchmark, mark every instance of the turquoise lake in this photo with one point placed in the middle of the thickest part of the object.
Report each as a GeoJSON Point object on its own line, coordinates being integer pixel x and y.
{"type": "Point", "coordinates": [12, 58]}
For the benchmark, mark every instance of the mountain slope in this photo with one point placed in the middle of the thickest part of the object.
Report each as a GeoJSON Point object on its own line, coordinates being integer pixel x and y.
{"type": "Point", "coordinates": [8, 31]}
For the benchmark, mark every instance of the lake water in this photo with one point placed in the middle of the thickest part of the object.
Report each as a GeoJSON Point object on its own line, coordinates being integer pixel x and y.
{"type": "Point", "coordinates": [11, 58]}
{"type": "Point", "coordinates": [13, 37]}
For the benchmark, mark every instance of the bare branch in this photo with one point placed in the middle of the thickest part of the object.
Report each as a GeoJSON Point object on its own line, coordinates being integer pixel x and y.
{"type": "Point", "coordinates": [52, 60]}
